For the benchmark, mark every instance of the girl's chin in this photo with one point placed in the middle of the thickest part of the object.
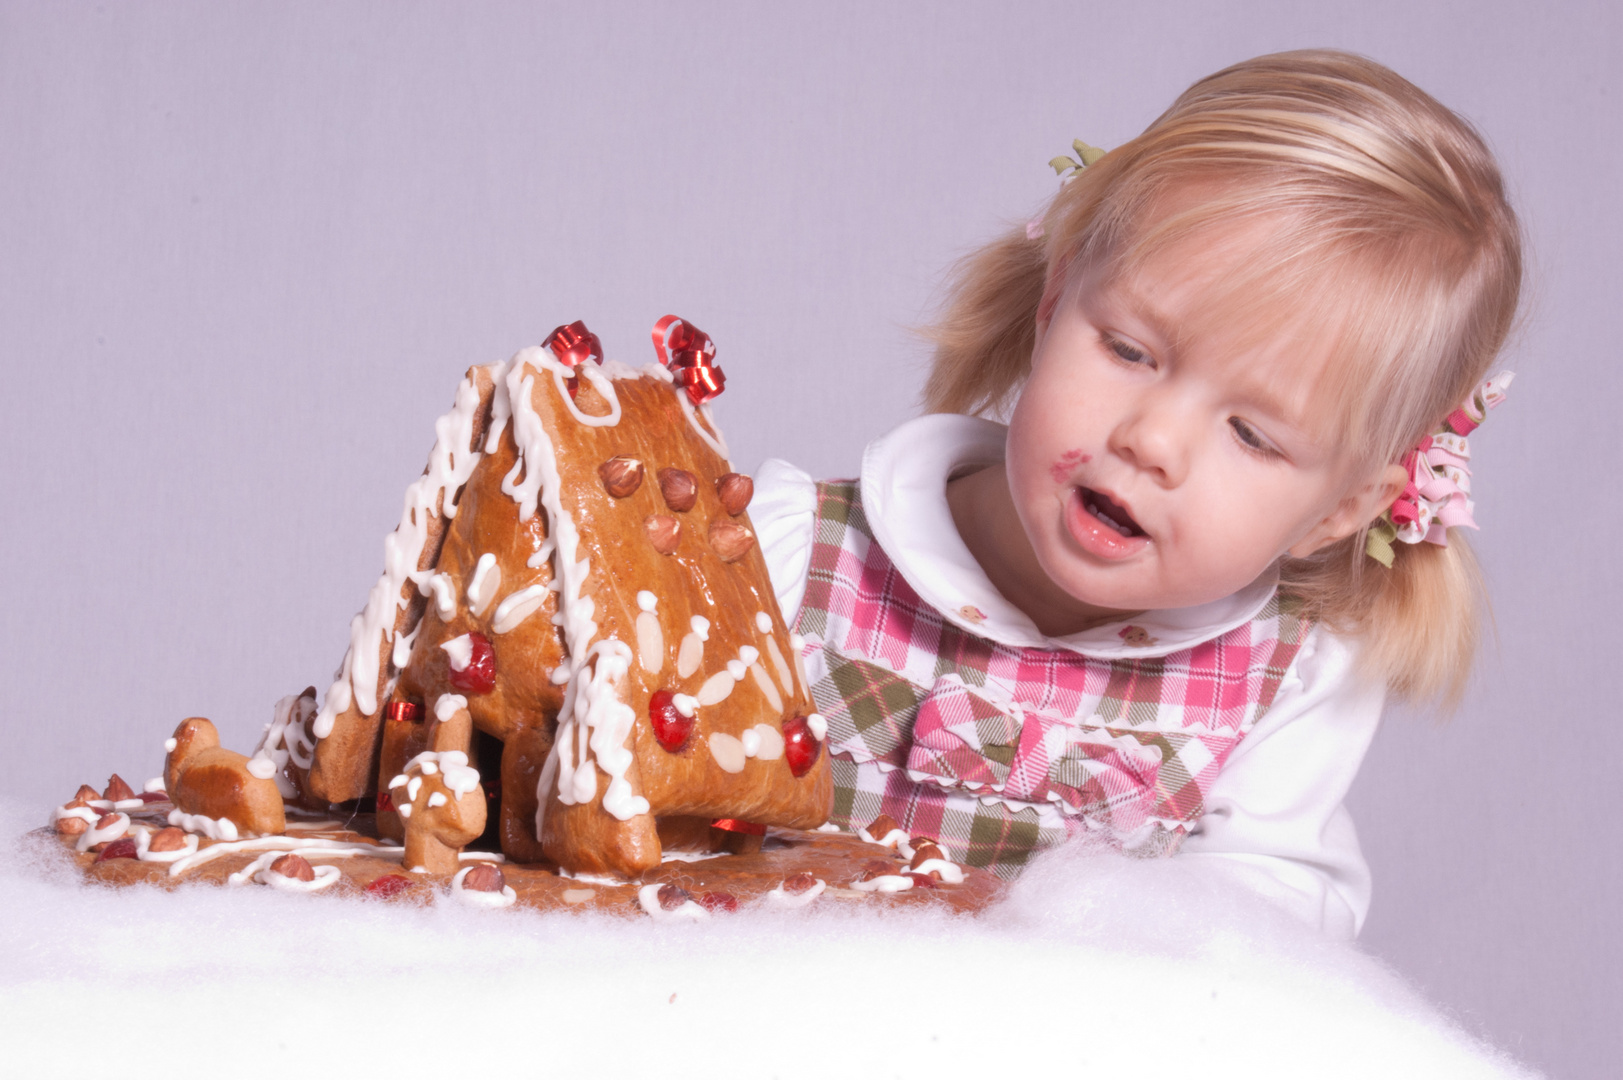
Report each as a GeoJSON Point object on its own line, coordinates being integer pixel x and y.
{"type": "Point", "coordinates": [1096, 537]}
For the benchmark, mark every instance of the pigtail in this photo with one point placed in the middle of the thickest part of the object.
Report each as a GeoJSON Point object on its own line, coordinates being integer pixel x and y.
{"type": "Point", "coordinates": [988, 328]}
{"type": "Point", "coordinates": [1419, 620]}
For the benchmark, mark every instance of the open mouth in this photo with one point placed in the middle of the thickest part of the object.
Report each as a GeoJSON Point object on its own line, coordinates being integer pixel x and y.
{"type": "Point", "coordinates": [1109, 511]}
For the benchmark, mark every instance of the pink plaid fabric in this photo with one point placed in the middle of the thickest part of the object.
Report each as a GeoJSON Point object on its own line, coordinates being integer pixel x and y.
{"type": "Point", "coordinates": [997, 751]}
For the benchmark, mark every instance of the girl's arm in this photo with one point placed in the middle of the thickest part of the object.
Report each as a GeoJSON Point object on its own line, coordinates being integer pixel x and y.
{"type": "Point", "coordinates": [1275, 819]}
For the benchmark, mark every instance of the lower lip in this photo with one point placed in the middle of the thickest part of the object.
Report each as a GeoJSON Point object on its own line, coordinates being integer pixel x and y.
{"type": "Point", "coordinates": [1094, 536]}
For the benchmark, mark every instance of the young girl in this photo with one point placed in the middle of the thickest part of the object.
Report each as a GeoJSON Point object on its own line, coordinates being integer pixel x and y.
{"type": "Point", "coordinates": [1164, 605]}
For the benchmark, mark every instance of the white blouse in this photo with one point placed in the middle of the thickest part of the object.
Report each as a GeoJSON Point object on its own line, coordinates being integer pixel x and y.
{"type": "Point", "coordinates": [1274, 818]}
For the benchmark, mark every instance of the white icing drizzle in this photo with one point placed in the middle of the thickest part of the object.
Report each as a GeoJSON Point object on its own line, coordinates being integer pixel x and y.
{"type": "Point", "coordinates": [450, 464]}
{"type": "Point", "coordinates": [701, 627]}
{"type": "Point", "coordinates": [748, 654]}
{"type": "Point", "coordinates": [443, 590]}
{"type": "Point", "coordinates": [817, 726]}
{"type": "Point", "coordinates": [685, 703]}
{"type": "Point", "coordinates": [896, 838]}
{"type": "Point", "coordinates": [885, 883]}
{"type": "Point", "coordinates": [658, 371]}
{"type": "Point", "coordinates": [728, 752]}
{"type": "Point", "coordinates": [446, 706]}
{"type": "Point", "coordinates": [83, 813]}
{"type": "Point", "coordinates": [950, 872]}
{"type": "Point", "coordinates": [690, 856]}
{"type": "Point", "coordinates": [487, 578]}
{"type": "Point", "coordinates": [648, 900]}
{"type": "Point", "coordinates": [735, 668]}
{"type": "Point", "coordinates": [593, 373]}
{"type": "Point", "coordinates": [335, 848]}
{"type": "Point", "coordinates": [169, 745]}
{"type": "Point", "coordinates": [594, 717]}
{"type": "Point", "coordinates": [518, 606]}
{"type": "Point", "coordinates": [286, 739]}
{"type": "Point", "coordinates": [717, 687]}
{"type": "Point", "coordinates": [261, 767]}
{"type": "Point", "coordinates": [437, 799]}
{"type": "Point", "coordinates": [646, 600]}
{"type": "Point", "coordinates": [690, 655]}
{"type": "Point", "coordinates": [113, 830]}
{"type": "Point", "coordinates": [473, 898]}
{"type": "Point", "coordinates": [213, 828]}
{"type": "Point", "coordinates": [764, 681]}
{"type": "Point", "coordinates": [780, 666]}
{"type": "Point", "coordinates": [781, 898]}
{"type": "Point", "coordinates": [591, 878]}
{"type": "Point", "coordinates": [481, 856]}
{"type": "Point", "coordinates": [260, 870]}
{"type": "Point", "coordinates": [460, 651]}
{"type": "Point", "coordinates": [650, 641]}
{"type": "Point", "coordinates": [714, 441]}
{"type": "Point", "coordinates": [413, 786]}
{"type": "Point", "coordinates": [763, 622]}
{"type": "Point", "coordinates": [452, 765]}
{"type": "Point", "coordinates": [155, 784]}
{"type": "Point", "coordinates": [401, 654]}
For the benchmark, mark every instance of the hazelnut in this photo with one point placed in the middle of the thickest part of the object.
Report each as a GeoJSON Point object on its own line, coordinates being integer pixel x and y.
{"type": "Point", "coordinates": [117, 789]}
{"type": "Point", "coordinates": [295, 867]}
{"type": "Point", "coordinates": [672, 897]}
{"type": "Point", "coordinates": [730, 540]}
{"type": "Point", "coordinates": [106, 821]}
{"type": "Point", "coordinates": [621, 475]}
{"type": "Point", "coordinates": [882, 826]}
{"type": "Point", "coordinates": [680, 489]}
{"type": "Point", "coordinates": [485, 877]}
{"type": "Point", "coordinates": [169, 839]}
{"type": "Point", "coordinates": [735, 490]}
{"type": "Point", "coordinates": [923, 853]}
{"type": "Point", "coordinates": [83, 796]}
{"type": "Point", "coordinates": [802, 882]}
{"type": "Point", "coordinates": [71, 826]}
{"type": "Point", "coordinates": [662, 532]}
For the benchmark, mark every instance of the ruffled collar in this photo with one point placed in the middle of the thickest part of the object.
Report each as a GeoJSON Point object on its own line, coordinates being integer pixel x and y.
{"type": "Point", "coordinates": [904, 495]}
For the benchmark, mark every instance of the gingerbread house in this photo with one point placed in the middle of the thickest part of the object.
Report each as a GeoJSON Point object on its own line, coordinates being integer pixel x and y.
{"type": "Point", "coordinates": [574, 600]}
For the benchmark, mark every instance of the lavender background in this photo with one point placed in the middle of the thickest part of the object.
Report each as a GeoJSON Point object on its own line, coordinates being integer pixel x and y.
{"type": "Point", "coordinates": [246, 252]}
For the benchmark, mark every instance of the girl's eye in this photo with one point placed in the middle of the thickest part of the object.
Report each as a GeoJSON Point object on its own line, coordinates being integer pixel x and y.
{"type": "Point", "coordinates": [1129, 353]}
{"type": "Point", "coordinates": [1251, 439]}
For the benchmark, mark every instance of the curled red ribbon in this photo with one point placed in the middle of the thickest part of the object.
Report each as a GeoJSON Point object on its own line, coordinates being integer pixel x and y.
{"type": "Point", "coordinates": [573, 344]}
{"type": "Point", "coordinates": [404, 711]}
{"type": "Point", "coordinates": [691, 356]}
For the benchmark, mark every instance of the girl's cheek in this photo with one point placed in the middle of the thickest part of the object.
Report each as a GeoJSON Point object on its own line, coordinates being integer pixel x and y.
{"type": "Point", "coordinates": [1066, 464]}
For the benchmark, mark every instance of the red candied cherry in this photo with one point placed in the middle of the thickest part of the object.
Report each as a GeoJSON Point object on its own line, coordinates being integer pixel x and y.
{"type": "Point", "coordinates": [718, 903]}
{"type": "Point", "coordinates": [671, 728]}
{"type": "Point", "coordinates": [390, 885]}
{"type": "Point", "coordinates": [118, 849]}
{"type": "Point", "coordinates": [800, 746]}
{"type": "Point", "coordinates": [479, 676]}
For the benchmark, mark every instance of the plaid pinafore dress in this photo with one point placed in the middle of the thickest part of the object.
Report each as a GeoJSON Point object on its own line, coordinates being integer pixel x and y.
{"type": "Point", "coordinates": [999, 751]}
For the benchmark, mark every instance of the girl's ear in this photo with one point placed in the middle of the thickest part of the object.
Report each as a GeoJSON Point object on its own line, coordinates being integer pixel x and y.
{"type": "Point", "coordinates": [1360, 507]}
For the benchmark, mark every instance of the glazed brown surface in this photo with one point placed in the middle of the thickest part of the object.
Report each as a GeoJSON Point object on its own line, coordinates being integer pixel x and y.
{"type": "Point", "coordinates": [839, 859]}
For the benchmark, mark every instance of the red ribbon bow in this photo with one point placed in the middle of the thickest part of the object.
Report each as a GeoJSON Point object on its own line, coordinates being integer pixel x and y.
{"type": "Point", "coordinates": [690, 354]}
{"type": "Point", "coordinates": [573, 344]}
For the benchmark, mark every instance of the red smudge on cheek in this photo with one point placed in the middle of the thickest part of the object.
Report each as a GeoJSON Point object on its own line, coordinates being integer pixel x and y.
{"type": "Point", "coordinates": [1061, 469]}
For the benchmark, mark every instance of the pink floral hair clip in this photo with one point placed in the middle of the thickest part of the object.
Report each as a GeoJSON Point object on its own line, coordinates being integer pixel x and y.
{"type": "Point", "coordinates": [1438, 495]}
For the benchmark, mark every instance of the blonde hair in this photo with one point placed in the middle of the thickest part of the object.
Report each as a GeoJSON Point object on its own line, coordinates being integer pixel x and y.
{"type": "Point", "coordinates": [1383, 215]}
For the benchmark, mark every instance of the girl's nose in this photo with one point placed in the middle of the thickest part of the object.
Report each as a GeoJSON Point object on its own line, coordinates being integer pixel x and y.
{"type": "Point", "coordinates": [1155, 436]}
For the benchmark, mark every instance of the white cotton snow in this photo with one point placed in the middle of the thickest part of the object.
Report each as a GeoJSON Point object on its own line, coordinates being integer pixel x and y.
{"type": "Point", "coordinates": [1095, 965]}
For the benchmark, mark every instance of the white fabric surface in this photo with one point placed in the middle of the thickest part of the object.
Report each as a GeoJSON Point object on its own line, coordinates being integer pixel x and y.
{"type": "Point", "coordinates": [1274, 818]}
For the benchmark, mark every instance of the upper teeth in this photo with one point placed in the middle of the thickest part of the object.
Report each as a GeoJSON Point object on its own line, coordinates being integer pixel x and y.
{"type": "Point", "coordinates": [1107, 519]}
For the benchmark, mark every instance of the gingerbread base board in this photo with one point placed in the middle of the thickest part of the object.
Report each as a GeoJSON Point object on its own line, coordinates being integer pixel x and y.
{"type": "Point", "coordinates": [838, 860]}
